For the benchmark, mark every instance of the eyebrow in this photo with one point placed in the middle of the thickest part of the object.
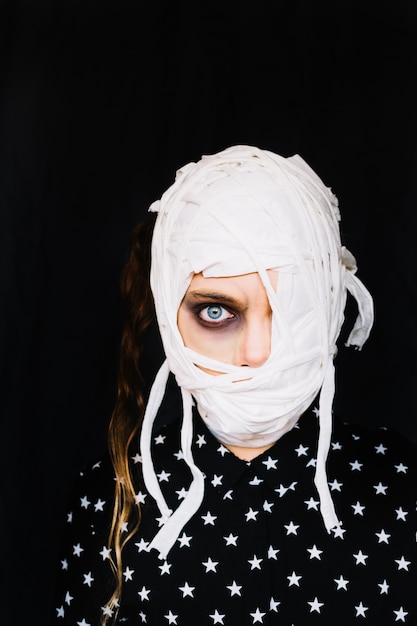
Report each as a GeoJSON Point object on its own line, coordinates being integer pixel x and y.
{"type": "Point", "coordinates": [214, 295]}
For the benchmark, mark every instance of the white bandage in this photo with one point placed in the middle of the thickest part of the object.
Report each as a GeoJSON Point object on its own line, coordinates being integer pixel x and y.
{"type": "Point", "coordinates": [239, 211]}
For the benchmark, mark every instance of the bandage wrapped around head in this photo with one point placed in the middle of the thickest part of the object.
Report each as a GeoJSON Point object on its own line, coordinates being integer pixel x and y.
{"type": "Point", "coordinates": [239, 211]}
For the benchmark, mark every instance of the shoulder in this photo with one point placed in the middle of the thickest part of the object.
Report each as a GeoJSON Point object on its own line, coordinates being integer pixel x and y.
{"type": "Point", "coordinates": [94, 473]}
{"type": "Point", "coordinates": [94, 480]}
{"type": "Point", "coordinates": [378, 463]}
{"type": "Point", "coordinates": [90, 504]}
{"type": "Point", "coordinates": [379, 442]}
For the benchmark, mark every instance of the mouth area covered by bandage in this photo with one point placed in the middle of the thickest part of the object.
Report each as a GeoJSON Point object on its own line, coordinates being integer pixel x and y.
{"type": "Point", "coordinates": [239, 211]}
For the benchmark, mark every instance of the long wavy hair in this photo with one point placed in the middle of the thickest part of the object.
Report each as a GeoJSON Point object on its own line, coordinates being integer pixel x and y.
{"type": "Point", "coordinates": [129, 407]}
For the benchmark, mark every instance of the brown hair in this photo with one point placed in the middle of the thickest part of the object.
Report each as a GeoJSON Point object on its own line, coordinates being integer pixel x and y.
{"type": "Point", "coordinates": [129, 406]}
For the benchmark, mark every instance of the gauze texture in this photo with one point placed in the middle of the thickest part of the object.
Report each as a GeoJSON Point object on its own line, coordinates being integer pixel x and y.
{"type": "Point", "coordinates": [239, 211]}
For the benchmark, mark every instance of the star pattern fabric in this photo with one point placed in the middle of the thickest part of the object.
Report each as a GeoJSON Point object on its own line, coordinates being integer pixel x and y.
{"type": "Point", "coordinates": [256, 552]}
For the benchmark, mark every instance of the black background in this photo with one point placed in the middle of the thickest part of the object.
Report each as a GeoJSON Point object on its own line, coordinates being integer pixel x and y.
{"type": "Point", "coordinates": [100, 103]}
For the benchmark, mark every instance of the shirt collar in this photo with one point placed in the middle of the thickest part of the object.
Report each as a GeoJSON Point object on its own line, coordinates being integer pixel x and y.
{"type": "Point", "coordinates": [289, 460]}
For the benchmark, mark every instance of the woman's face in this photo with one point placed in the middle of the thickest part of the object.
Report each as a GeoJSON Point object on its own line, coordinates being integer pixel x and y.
{"type": "Point", "coordinates": [228, 319]}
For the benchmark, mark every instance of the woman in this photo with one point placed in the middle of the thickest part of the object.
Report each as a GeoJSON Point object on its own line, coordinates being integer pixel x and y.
{"type": "Point", "coordinates": [231, 497]}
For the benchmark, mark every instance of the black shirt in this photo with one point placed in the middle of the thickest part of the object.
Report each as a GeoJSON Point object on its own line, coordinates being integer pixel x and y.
{"type": "Point", "coordinates": [256, 552]}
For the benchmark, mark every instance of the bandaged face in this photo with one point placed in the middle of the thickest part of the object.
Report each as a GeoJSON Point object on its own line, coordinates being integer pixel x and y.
{"type": "Point", "coordinates": [250, 280]}
{"type": "Point", "coordinates": [228, 319]}
{"type": "Point", "coordinates": [241, 217]}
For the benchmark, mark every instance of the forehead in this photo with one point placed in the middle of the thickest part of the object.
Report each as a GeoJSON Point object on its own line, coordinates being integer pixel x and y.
{"type": "Point", "coordinates": [241, 286]}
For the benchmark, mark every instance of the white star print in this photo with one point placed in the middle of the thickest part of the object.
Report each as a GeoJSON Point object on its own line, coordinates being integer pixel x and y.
{"type": "Point", "coordinates": [187, 590]}
{"type": "Point", "coordinates": [270, 463]}
{"type": "Point", "coordinates": [314, 552]}
{"type": "Point", "coordinates": [336, 446]}
{"type": "Point", "coordinates": [355, 465]}
{"type": "Point", "coordinates": [217, 617]}
{"type": "Point", "coordinates": [401, 468]}
{"type": "Point", "coordinates": [179, 455]}
{"type": "Point", "coordinates": [99, 505]}
{"type": "Point", "coordinates": [312, 463]}
{"type": "Point", "coordinates": [291, 528]}
{"type": "Point", "coordinates": [383, 536]}
{"type": "Point", "coordinates": [128, 573]}
{"type": "Point", "coordinates": [165, 568]}
{"type": "Point", "coordinates": [358, 508]}
{"type": "Point", "coordinates": [273, 605]}
{"type": "Point", "coordinates": [184, 540]}
{"type": "Point", "coordinates": [172, 619]}
{"type": "Point", "coordinates": [77, 549]}
{"type": "Point", "coordinates": [400, 614]}
{"type": "Point", "coordinates": [361, 610]}
{"type": "Point", "coordinates": [355, 437]}
{"type": "Point", "coordinates": [105, 553]}
{"type": "Point", "coordinates": [182, 493]}
{"type": "Point", "coordinates": [360, 558]}
{"type": "Point", "coordinates": [159, 439]}
{"type": "Point", "coordinates": [142, 617]}
{"type": "Point", "coordinates": [381, 449]}
{"type": "Point", "coordinates": [315, 605]}
{"type": "Point", "coordinates": [272, 553]}
{"type": "Point", "coordinates": [208, 519]}
{"type": "Point", "coordinates": [85, 503]}
{"type": "Point", "coordinates": [83, 623]}
{"type": "Point", "coordinates": [402, 563]}
{"type": "Point", "coordinates": [88, 579]}
{"type": "Point", "coordinates": [282, 490]}
{"type": "Point", "coordinates": [231, 540]}
{"type": "Point", "coordinates": [267, 506]}
{"type": "Point", "coordinates": [60, 611]}
{"type": "Point", "coordinates": [251, 514]}
{"type": "Point", "coordinates": [228, 495]}
{"type": "Point", "coordinates": [257, 616]}
{"type": "Point", "coordinates": [234, 589]}
{"type": "Point", "coordinates": [380, 488]}
{"type": "Point", "coordinates": [217, 480]}
{"type": "Point", "coordinates": [256, 481]}
{"type": "Point", "coordinates": [210, 565]}
{"type": "Point", "coordinates": [312, 504]}
{"type": "Point", "coordinates": [106, 610]}
{"type": "Point", "coordinates": [338, 531]}
{"type": "Point", "coordinates": [341, 583]}
{"type": "Point", "coordinates": [223, 450]}
{"type": "Point", "coordinates": [68, 598]}
{"type": "Point", "coordinates": [142, 545]}
{"type": "Point", "coordinates": [64, 564]}
{"type": "Point", "coordinates": [335, 485]}
{"type": "Point", "coordinates": [293, 579]}
{"type": "Point", "coordinates": [140, 498]}
{"type": "Point", "coordinates": [137, 458]}
{"type": "Point", "coordinates": [255, 562]}
{"type": "Point", "coordinates": [201, 441]}
{"type": "Point", "coordinates": [144, 593]}
{"type": "Point", "coordinates": [401, 514]}
{"type": "Point", "coordinates": [301, 450]}
{"type": "Point", "coordinates": [384, 587]}
{"type": "Point", "coordinates": [163, 476]}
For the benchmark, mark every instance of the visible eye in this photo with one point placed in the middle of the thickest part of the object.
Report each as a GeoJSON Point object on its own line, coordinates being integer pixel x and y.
{"type": "Point", "coordinates": [214, 313]}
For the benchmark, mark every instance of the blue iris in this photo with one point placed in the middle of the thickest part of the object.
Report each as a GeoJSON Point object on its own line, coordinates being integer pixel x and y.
{"type": "Point", "coordinates": [214, 312]}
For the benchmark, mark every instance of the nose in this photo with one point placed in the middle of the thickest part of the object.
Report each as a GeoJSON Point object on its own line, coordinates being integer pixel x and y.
{"type": "Point", "coordinates": [254, 343]}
